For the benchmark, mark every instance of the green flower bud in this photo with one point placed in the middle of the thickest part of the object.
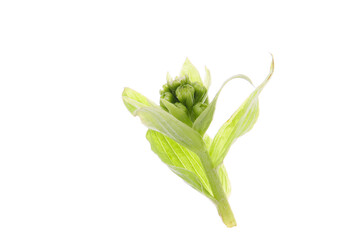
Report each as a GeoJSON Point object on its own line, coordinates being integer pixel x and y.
{"type": "Point", "coordinates": [198, 109]}
{"type": "Point", "coordinates": [174, 84]}
{"type": "Point", "coordinates": [200, 91]}
{"type": "Point", "coordinates": [185, 80]}
{"type": "Point", "coordinates": [185, 94]}
{"type": "Point", "coordinates": [168, 97]}
{"type": "Point", "coordinates": [181, 106]}
{"type": "Point", "coordinates": [165, 89]}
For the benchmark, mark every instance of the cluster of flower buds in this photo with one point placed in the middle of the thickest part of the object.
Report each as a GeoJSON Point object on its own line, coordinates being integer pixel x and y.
{"type": "Point", "coordinates": [189, 97]}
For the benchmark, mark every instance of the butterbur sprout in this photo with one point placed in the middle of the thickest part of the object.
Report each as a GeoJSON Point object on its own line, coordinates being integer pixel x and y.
{"type": "Point", "coordinates": [177, 131]}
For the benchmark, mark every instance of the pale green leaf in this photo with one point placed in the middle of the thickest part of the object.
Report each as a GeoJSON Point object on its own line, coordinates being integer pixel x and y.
{"type": "Point", "coordinates": [224, 179]}
{"type": "Point", "coordinates": [193, 180]}
{"type": "Point", "coordinates": [207, 80]}
{"type": "Point", "coordinates": [189, 70]}
{"type": "Point", "coordinates": [159, 120]}
{"type": "Point", "coordinates": [134, 100]}
{"type": "Point", "coordinates": [203, 122]}
{"type": "Point", "coordinates": [186, 164]}
{"type": "Point", "coordinates": [177, 112]}
{"type": "Point", "coordinates": [239, 123]}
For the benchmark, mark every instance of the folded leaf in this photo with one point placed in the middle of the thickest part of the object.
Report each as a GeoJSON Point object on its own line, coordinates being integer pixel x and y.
{"type": "Point", "coordinates": [177, 112]}
{"type": "Point", "coordinates": [184, 163]}
{"type": "Point", "coordinates": [239, 123]}
{"type": "Point", "coordinates": [203, 122]}
{"type": "Point", "coordinates": [159, 120]}
{"type": "Point", "coordinates": [134, 100]}
{"type": "Point", "coordinates": [154, 117]}
{"type": "Point", "coordinates": [190, 70]}
{"type": "Point", "coordinates": [224, 179]}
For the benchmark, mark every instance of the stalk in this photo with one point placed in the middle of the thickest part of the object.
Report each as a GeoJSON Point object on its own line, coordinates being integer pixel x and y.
{"type": "Point", "coordinates": [220, 201]}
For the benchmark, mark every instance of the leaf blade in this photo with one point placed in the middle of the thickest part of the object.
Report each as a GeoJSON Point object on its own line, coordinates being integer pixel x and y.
{"type": "Point", "coordinates": [184, 163]}
{"type": "Point", "coordinates": [159, 120]}
{"type": "Point", "coordinates": [134, 100]}
{"type": "Point", "coordinates": [176, 112]}
{"type": "Point", "coordinates": [203, 122]}
{"type": "Point", "coordinates": [223, 176]}
{"type": "Point", "coordinates": [239, 123]}
{"type": "Point", "coordinates": [190, 70]}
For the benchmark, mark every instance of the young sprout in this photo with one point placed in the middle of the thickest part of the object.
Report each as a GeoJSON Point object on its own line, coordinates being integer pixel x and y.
{"type": "Point", "coordinates": [177, 131]}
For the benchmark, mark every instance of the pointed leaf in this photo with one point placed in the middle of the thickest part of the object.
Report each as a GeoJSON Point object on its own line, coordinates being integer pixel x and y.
{"type": "Point", "coordinates": [203, 122]}
{"type": "Point", "coordinates": [177, 112]}
{"type": "Point", "coordinates": [159, 120]}
{"type": "Point", "coordinates": [239, 123]}
{"type": "Point", "coordinates": [193, 180]}
{"type": "Point", "coordinates": [134, 100]}
{"type": "Point", "coordinates": [190, 70]}
{"type": "Point", "coordinates": [224, 179]}
{"type": "Point", "coordinates": [184, 163]}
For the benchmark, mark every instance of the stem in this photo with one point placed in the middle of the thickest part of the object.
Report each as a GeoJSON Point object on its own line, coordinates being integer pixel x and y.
{"type": "Point", "coordinates": [221, 201]}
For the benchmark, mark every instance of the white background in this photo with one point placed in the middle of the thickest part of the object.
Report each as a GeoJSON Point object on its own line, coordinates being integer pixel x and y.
{"type": "Point", "coordinates": [74, 163]}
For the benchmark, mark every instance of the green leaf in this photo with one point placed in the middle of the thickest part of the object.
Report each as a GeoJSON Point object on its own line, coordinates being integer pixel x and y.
{"type": "Point", "coordinates": [224, 179]}
{"type": "Point", "coordinates": [207, 80]}
{"type": "Point", "coordinates": [134, 100]}
{"type": "Point", "coordinates": [154, 117]}
{"type": "Point", "coordinates": [159, 120]}
{"type": "Point", "coordinates": [190, 70]}
{"type": "Point", "coordinates": [239, 123]}
{"type": "Point", "coordinates": [184, 163]}
{"type": "Point", "coordinates": [177, 112]}
{"type": "Point", "coordinates": [203, 122]}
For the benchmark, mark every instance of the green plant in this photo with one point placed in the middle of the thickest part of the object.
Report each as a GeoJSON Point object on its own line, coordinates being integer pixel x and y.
{"type": "Point", "coordinates": [177, 131]}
